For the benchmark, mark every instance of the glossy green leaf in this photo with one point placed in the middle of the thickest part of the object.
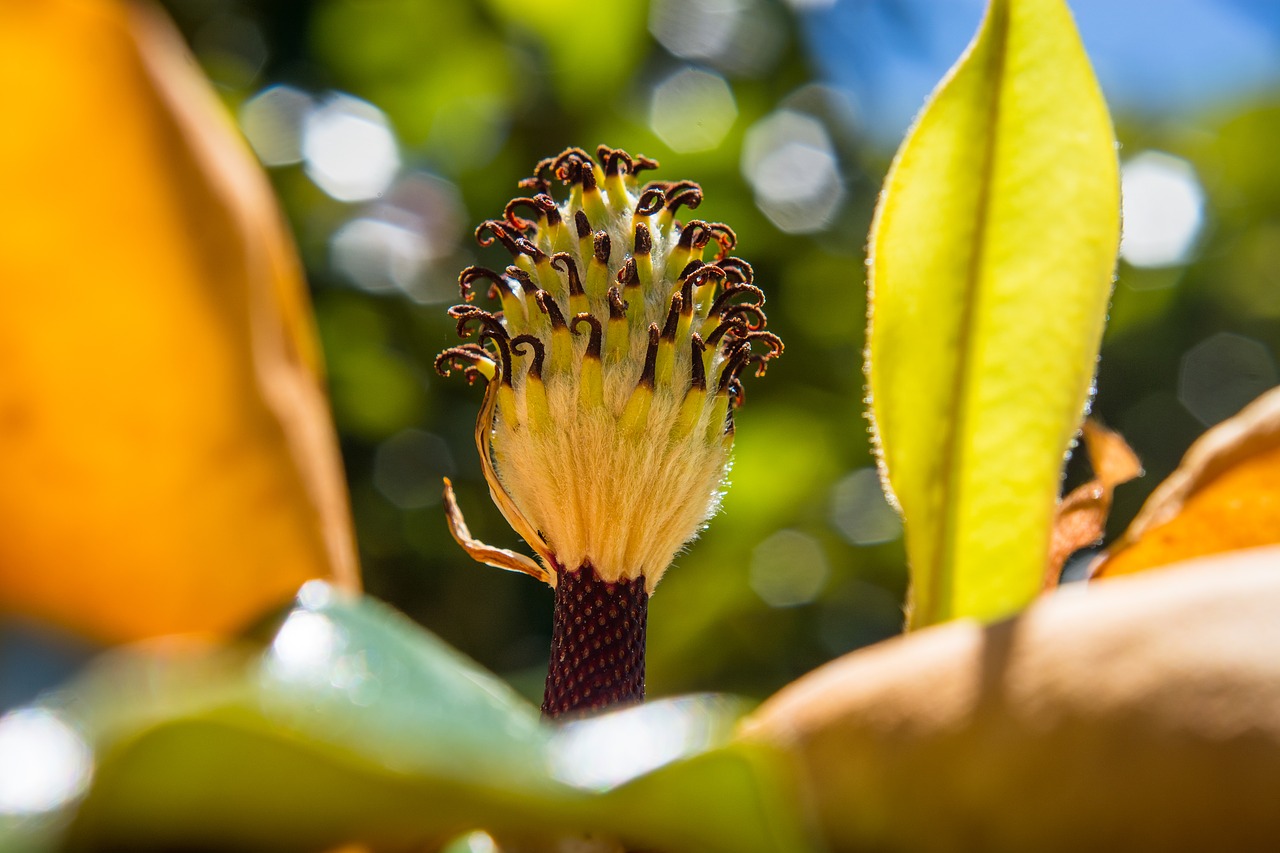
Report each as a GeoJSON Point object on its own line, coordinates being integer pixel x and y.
{"type": "Point", "coordinates": [354, 723]}
{"type": "Point", "coordinates": [991, 264]}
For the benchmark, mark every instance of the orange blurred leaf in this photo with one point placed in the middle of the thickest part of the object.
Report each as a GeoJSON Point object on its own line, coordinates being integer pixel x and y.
{"type": "Point", "coordinates": [1224, 496]}
{"type": "Point", "coordinates": [1082, 515]}
{"type": "Point", "coordinates": [167, 455]}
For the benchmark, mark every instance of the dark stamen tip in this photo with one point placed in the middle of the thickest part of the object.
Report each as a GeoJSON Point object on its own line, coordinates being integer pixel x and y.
{"type": "Point", "coordinates": [570, 266]}
{"type": "Point", "coordinates": [673, 318]}
{"type": "Point", "coordinates": [698, 373]}
{"type": "Point", "coordinates": [549, 307]}
{"type": "Point", "coordinates": [603, 246]}
{"type": "Point", "coordinates": [466, 315]}
{"type": "Point", "coordinates": [732, 325]}
{"type": "Point", "coordinates": [650, 357]}
{"type": "Point", "coordinates": [731, 291]}
{"type": "Point", "coordinates": [582, 224]}
{"type": "Point", "coordinates": [615, 160]}
{"type": "Point", "coordinates": [685, 193]}
{"type": "Point", "coordinates": [737, 357]}
{"type": "Point", "coordinates": [695, 235]}
{"type": "Point", "coordinates": [617, 305]}
{"type": "Point", "coordinates": [737, 270]}
{"type": "Point", "coordinates": [651, 201]}
{"type": "Point", "coordinates": [526, 247]}
{"type": "Point", "coordinates": [503, 344]}
{"type": "Point", "coordinates": [644, 240]}
{"type": "Point", "coordinates": [751, 315]}
{"type": "Point", "coordinates": [570, 165]}
{"type": "Point", "coordinates": [539, 352]}
{"type": "Point", "coordinates": [470, 275]}
{"type": "Point", "coordinates": [690, 268]}
{"type": "Point", "coordinates": [725, 236]}
{"type": "Point", "coordinates": [628, 276]}
{"type": "Point", "coordinates": [516, 222]}
{"type": "Point", "coordinates": [707, 274]}
{"type": "Point", "coordinates": [525, 280]}
{"type": "Point", "coordinates": [470, 354]}
{"type": "Point", "coordinates": [498, 229]}
{"type": "Point", "coordinates": [597, 332]}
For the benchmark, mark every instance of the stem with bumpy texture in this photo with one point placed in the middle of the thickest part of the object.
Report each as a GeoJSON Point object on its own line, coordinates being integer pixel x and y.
{"type": "Point", "coordinates": [597, 644]}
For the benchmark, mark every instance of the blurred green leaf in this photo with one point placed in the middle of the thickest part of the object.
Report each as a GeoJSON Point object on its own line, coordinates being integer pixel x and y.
{"type": "Point", "coordinates": [992, 255]}
{"type": "Point", "coordinates": [353, 723]}
{"type": "Point", "coordinates": [592, 48]}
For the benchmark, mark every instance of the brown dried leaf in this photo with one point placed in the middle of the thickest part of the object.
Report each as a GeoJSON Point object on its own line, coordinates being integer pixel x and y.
{"type": "Point", "coordinates": [1140, 714]}
{"type": "Point", "coordinates": [1082, 514]}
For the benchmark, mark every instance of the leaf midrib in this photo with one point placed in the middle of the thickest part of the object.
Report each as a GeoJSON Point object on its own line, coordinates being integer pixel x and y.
{"type": "Point", "coordinates": [942, 571]}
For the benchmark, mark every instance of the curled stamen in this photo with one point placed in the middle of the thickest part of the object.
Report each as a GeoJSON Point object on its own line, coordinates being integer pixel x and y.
{"type": "Point", "coordinates": [690, 268]}
{"type": "Point", "coordinates": [542, 204]}
{"type": "Point", "coordinates": [627, 275]}
{"type": "Point", "coordinates": [549, 307]}
{"type": "Point", "coordinates": [597, 333]}
{"type": "Point", "coordinates": [731, 291]}
{"type": "Point", "coordinates": [468, 314]}
{"type": "Point", "coordinates": [509, 213]}
{"type": "Point", "coordinates": [640, 162]}
{"type": "Point", "coordinates": [644, 240]}
{"type": "Point", "coordinates": [582, 224]}
{"type": "Point", "coordinates": [760, 361]}
{"type": "Point", "coordinates": [736, 325]}
{"type": "Point", "coordinates": [695, 235]}
{"type": "Point", "coordinates": [651, 201]}
{"type": "Point", "coordinates": [650, 357]}
{"type": "Point", "coordinates": [685, 192]}
{"type": "Point", "coordinates": [539, 352]}
{"type": "Point", "coordinates": [472, 274]}
{"type": "Point", "coordinates": [524, 246]}
{"type": "Point", "coordinates": [472, 354]}
{"type": "Point", "coordinates": [617, 305]}
{"type": "Point", "coordinates": [705, 274]}
{"type": "Point", "coordinates": [751, 315]}
{"type": "Point", "coordinates": [614, 160]}
{"type": "Point", "coordinates": [571, 268]}
{"type": "Point", "coordinates": [504, 350]}
{"type": "Point", "coordinates": [697, 372]}
{"type": "Point", "coordinates": [737, 397]}
{"type": "Point", "coordinates": [738, 270]}
{"type": "Point", "coordinates": [525, 280]}
{"type": "Point", "coordinates": [570, 165]}
{"type": "Point", "coordinates": [539, 182]}
{"type": "Point", "coordinates": [724, 235]}
{"type": "Point", "coordinates": [603, 246]}
{"type": "Point", "coordinates": [733, 364]}
{"type": "Point", "coordinates": [772, 341]}
{"type": "Point", "coordinates": [673, 318]}
{"type": "Point", "coordinates": [498, 229]}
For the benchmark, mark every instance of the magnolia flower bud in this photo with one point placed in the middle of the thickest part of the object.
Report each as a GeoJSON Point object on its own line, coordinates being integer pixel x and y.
{"type": "Point", "coordinates": [613, 373]}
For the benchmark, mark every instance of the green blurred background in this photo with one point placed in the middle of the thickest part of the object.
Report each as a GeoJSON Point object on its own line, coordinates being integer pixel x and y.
{"type": "Point", "coordinates": [391, 127]}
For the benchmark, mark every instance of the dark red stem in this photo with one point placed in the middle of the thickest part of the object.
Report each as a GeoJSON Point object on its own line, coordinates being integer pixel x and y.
{"type": "Point", "coordinates": [597, 644]}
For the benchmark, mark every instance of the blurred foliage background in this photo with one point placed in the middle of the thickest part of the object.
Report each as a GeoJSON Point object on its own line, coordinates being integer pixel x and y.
{"type": "Point", "coordinates": [392, 127]}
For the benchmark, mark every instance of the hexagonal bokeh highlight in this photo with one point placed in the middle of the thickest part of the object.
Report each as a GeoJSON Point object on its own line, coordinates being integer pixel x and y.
{"type": "Point", "coordinates": [692, 110]}
{"type": "Point", "coordinates": [1222, 374]}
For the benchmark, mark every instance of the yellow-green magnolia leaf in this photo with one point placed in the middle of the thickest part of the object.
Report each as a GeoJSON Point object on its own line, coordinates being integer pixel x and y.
{"type": "Point", "coordinates": [991, 262]}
